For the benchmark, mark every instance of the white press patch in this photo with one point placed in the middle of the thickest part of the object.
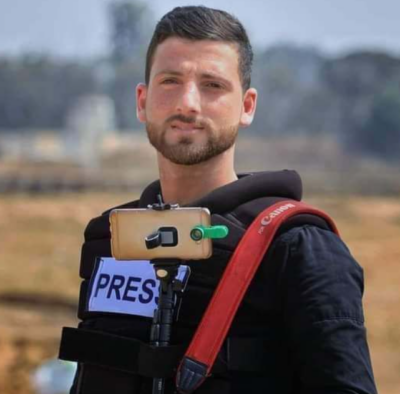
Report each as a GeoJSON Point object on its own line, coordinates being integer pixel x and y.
{"type": "Point", "coordinates": [128, 287]}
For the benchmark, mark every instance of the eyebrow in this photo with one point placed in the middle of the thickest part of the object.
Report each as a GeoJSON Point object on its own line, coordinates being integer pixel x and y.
{"type": "Point", "coordinates": [202, 76]}
{"type": "Point", "coordinates": [169, 72]}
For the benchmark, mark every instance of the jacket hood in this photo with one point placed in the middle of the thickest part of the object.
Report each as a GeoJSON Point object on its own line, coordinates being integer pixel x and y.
{"type": "Point", "coordinates": [249, 186]}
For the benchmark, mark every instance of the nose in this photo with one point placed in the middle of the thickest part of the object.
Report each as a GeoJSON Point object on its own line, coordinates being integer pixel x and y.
{"type": "Point", "coordinates": [189, 99]}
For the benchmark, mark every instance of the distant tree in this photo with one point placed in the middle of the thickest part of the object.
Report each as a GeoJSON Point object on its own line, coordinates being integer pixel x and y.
{"type": "Point", "coordinates": [122, 89]}
{"type": "Point", "coordinates": [36, 91]}
{"type": "Point", "coordinates": [380, 135]}
{"type": "Point", "coordinates": [289, 84]}
{"type": "Point", "coordinates": [354, 83]}
{"type": "Point", "coordinates": [130, 29]}
{"type": "Point", "coordinates": [129, 23]}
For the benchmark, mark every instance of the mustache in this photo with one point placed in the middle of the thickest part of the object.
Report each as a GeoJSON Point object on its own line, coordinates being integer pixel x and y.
{"type": "Point", "coordinates": [187, 119]}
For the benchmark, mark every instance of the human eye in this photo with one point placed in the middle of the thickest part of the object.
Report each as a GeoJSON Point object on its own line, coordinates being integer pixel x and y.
{"type": "Point", "coordinates": [213, 85]}
{"type": "Point", "coordinates": [169, 81]}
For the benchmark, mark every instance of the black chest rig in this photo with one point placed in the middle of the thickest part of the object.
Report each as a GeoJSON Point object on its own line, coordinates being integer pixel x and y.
{"type": "Point", "coordinates": [112, 348]}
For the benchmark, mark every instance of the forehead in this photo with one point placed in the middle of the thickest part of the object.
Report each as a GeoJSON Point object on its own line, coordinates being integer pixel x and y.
{"type": "Point", "coordinates": [200, 56]}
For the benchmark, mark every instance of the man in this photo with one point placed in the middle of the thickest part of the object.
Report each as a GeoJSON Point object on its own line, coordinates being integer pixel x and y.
{"type": "Point", "coordinates": [300, 326]}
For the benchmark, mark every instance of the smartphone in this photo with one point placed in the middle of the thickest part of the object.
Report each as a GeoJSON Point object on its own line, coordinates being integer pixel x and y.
{"type": "Point", "coordinates": [134, 231]}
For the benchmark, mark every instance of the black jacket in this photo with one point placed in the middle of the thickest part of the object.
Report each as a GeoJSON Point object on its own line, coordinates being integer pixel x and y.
{"type": "Point", "coordinates": [300, 328]}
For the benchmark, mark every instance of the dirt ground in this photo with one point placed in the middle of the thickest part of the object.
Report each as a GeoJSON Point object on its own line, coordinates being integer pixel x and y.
{"type": "Point", "coordinates": [40, 238]}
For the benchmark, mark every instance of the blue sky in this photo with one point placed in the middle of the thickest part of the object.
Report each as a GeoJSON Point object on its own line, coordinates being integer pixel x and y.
{"type": "Point", "coordinates": [79, 27]}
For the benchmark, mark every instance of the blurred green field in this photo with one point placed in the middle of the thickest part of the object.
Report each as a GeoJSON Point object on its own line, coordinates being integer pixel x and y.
{"type": "Point", "coordinates": [40, 243]}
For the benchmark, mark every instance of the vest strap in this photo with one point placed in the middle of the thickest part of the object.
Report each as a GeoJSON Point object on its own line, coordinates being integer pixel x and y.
{"type": "Point", "coordinates": [120, 353]}
{"type": "Point", "coordinates": [135, 357]}
{"type": "Point", "coordinates": [214, 326]}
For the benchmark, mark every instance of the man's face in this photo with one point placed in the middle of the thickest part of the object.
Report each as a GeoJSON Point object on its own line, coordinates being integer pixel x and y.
{"type": "Point", "coordinates": [194, 103]}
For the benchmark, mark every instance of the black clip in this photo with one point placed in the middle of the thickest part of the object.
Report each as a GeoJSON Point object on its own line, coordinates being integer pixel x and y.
{"type": "Point", "coordinates": [164, 236]}
{"type": "Point", "coordinates": [160, 206]}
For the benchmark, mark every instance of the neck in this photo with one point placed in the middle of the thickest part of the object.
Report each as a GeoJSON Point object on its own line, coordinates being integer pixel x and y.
{"type": "Point", "coordinates": [183, 184]}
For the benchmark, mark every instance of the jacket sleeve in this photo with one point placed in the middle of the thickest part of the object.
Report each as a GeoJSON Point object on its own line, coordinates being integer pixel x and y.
{"type": "Point", "coordinates": [322, 294]}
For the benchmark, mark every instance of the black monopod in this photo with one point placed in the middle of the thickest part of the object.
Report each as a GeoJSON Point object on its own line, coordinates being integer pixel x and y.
{"type": "Point", "coordinates": [170, 286]}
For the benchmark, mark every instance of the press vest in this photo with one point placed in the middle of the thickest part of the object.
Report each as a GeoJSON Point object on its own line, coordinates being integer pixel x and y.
{"type": "Point", "coordinates": [111, 347]}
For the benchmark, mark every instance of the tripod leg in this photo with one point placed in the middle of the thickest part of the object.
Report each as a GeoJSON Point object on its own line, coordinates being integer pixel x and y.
{"type": "Point", "coordinates": [160, 334]}
{"type": "Point", "coordinates": [158, 386]}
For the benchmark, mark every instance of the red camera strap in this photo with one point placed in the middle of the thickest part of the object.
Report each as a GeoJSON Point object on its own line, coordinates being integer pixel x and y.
{"type": "Point", "coordinates": [211, 333]}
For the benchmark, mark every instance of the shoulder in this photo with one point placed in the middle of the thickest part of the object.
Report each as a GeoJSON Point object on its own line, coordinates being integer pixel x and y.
{"type": "Point", "coordinates": [319, 274]}
{"type": "Point", "coordinates": [304, 214]}
{"type": "Point", "coordinates": [307, 237]}
{"type": "Point", "coordinates": [312, 247]}
{"type": "Point", "coordinates": [310, 240]}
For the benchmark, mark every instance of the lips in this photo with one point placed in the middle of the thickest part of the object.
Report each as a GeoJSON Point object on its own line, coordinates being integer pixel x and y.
{"type": "Point", "coordinates": [186, 126]}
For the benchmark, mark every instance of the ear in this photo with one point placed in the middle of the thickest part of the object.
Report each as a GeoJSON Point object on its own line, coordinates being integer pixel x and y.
{"type": "Point", "coordinates": [141, 94]}
{"type": "Point", "coordinates": [249, 107]}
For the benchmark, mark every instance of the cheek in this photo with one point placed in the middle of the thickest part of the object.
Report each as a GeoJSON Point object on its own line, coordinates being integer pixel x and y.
{"type": "Point", "coordinates": [228, 111]}
{"type": "Point", "coordinates": [157, 105]}
{"type": "Point", "coordinates": [162, 101]}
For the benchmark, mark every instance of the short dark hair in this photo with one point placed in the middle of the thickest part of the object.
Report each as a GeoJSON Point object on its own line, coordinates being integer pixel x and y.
{"type": "Point", "coordinates": [203, 23]}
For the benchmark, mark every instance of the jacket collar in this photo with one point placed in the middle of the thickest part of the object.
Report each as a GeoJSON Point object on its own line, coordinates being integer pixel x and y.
{"type": "Point", "coordinates": [249, 186]}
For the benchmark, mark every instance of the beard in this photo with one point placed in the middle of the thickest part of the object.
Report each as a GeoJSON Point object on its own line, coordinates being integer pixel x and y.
{"type": "Point", "coordinates": [186, 150]}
